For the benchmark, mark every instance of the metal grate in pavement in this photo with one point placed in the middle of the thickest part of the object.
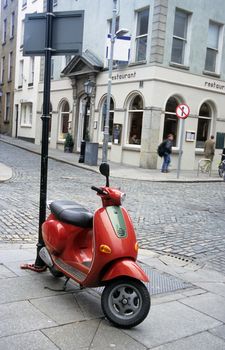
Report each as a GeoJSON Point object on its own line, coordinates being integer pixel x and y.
{"type": "Point", "coordinates": [161, 282]}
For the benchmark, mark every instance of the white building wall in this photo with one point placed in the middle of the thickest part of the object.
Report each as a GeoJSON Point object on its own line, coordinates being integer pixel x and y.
{"type": "Point", "coordinates": [25, 94]}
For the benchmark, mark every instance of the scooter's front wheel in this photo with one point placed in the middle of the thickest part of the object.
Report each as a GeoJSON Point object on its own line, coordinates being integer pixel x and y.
{"type": "Point", "coordinates": [126, 302]}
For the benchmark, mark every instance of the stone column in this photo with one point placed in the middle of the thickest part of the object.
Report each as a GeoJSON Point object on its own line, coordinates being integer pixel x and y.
{"type": "Point", "coordinates": [150, 137]}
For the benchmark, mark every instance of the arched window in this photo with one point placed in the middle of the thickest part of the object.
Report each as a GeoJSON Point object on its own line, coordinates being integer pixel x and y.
{"type": "Point", "coordinates": [171, 120]}
{"type": "Point", "coordinates": [64, 119]}
{"type": "Point", "coordinates": [204, 124]}
{"type": "Point", "coordinates": [111, 116]}
{"type": "Point", "coordinates": [135, 116]}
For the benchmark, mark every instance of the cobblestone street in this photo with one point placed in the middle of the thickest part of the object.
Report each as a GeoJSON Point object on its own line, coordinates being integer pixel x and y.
{"type": "Point", "coordinates": [185, 220]}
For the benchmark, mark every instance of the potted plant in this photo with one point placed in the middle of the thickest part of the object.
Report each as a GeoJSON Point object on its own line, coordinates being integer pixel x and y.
{"type": "Point", "coordinates": [69, 143]}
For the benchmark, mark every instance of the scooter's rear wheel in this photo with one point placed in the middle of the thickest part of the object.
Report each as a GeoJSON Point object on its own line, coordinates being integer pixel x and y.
{"type": "Point", "coordinates": [126, 302]}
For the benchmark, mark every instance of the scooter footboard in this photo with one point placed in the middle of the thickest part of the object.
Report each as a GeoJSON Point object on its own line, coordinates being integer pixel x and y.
{"type": "Point", "coordinates": [125, 267]}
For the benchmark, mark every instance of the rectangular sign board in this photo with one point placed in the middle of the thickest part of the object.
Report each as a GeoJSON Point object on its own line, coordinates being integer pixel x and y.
{"type": "Point", "coordinates": [67, 33]}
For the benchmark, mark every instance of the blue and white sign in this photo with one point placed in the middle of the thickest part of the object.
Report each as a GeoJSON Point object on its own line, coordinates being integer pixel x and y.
{"type": "Point", "coordinates": [121, 48]}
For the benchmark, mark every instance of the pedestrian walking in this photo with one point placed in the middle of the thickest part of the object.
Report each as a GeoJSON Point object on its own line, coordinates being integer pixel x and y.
{"type": "Point", "coordinates": [165, 150]}
{"type": "Point", "coordinates": [209, 148]}
{"type": "Point", "coordinates": [209, 151]}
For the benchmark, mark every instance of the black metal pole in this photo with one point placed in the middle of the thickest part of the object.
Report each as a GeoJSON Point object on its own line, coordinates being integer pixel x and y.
{"type": "Point", "coordinates": [45, 129]}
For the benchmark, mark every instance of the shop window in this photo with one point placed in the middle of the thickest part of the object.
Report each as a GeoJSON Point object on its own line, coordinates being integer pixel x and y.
{"type": "Point", "coordinates": [142, 34]}
{"type": "Point", "coordinates": [64, 120]}
{"type": "Point", "coordinates": [180, 37]}
{"type": "Point", "coordinates": [111, 117]}
{"type": "Point", "coordinates": [204, 123]}
{"type": "Point", "coordinates": [135, 116]}
{"type": "Point", "coordinates": [171, 120]}
{"type": "Point", "coordinates": [212, 51]}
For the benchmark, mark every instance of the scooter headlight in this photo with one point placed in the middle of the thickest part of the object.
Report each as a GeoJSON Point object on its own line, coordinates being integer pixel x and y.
{"type": "Point", "coordinates": [122, 197]}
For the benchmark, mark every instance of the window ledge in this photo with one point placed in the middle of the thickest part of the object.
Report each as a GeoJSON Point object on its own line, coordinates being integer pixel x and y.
{"type": "Point", "coordinates": [134, 148]}
{"type": "Point", "coordinates": [61, 141]}
{"type": "Point", "coordinates": [199, 151]}
{"type": "Point", "coordinates": [211, 74]}
{"type": "Point", "coordinates": [175, 150]}
{"type": "Point", "coordinates": [138, 63]}
{"type": "Point", "coordinates": [24, 126]}
{"type": "Point", "coordinates": [178, 65]}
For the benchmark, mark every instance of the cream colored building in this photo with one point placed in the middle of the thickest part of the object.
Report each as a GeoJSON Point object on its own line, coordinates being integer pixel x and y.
{"type": "Point", "coordinates": [175, 58]}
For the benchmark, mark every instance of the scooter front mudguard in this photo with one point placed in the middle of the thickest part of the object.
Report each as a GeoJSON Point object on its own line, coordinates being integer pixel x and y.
{"type": "Point", "coordinates": [125, 267]}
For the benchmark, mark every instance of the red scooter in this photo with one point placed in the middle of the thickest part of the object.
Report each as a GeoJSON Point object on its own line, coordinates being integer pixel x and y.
{"type": "Point", "coordinates": [99, 250]}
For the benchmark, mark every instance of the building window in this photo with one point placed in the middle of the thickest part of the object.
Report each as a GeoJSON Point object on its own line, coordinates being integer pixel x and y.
{"type": "Point", "coordinates": [179, 37]}
{"type": "Point", "coordinates": [31, 72]}
{"type": "Point", "coordinates": [64, 120]}
{"type": "Point", "coordinates": [68, 58]}
{"type": "Point", "coordinates": [7, 107]}
{"type": "Point", "coordinates": [5, 3]}
{"type": "Point", "coordinates": [204, 124]}
{"type": "Point", "coordinates": [2, 70]}
{"type": "Point", "coordinates": [212, 50]}
{"type": "Point", "coordinates": [10, 66]}
{"type": "Point", "coordinates": [111, 117]}
{"type": "Point", "coordinates": [55, 2]}
{"type": "Point", "coordinates": [142, 34]}
{"type": "Point", "coordinates": [52, 68]}
{"type": "Point", "coordinates": [22, 34]}
{"type": "Point", "coordinates": [117, 25]}
{"type": "Point", "coordinates": [20, 82]}
{"type": "Point", "coordinates": [12, 26]}
{"type": "Point", "coordinates": [135, 116]}
{"type": "Point", "coordinates": [171, 120]}
{"type": "Point", "coordinates": [26, 114]}
{"type": "Point", "coordinates": [4, 30]}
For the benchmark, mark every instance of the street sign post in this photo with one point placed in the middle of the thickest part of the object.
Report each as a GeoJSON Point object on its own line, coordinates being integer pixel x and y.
{"type": "Point", "coordinates": [50, 34]}
{"type": "Point", "coordinates": [182, 112]}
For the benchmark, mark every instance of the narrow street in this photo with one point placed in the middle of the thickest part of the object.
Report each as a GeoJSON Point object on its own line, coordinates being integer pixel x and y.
{"type": "Point", "coordinates": [183, 220]}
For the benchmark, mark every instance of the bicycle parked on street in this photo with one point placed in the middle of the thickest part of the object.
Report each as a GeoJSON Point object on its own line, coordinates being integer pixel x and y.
{"type": "Point", "coordinates": [221, 166]}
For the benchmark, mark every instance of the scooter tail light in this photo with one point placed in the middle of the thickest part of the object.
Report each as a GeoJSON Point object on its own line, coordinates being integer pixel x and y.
{"type": "Point", "coordinates": [136, 247]}
{"type": "Point", "coordinates": [105, 249]}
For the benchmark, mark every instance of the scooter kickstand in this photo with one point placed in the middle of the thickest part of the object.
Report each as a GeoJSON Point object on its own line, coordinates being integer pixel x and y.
{"type": "Point", "coordinates": [65, 283]}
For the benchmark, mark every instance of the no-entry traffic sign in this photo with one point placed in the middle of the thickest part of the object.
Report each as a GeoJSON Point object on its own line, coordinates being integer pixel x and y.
{"type": "Point", "coordinates": [182, 111]}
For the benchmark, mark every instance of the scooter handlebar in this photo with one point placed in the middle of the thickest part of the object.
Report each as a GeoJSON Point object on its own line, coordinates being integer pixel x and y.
{"type": "Point", "coordinates": [98, 190]}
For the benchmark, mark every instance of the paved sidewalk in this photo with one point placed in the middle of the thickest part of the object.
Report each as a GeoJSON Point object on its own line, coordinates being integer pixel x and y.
{"type": "Point", "coordinates": [35, 314]}
{"type": "Point", "coordinates": [117, 170]}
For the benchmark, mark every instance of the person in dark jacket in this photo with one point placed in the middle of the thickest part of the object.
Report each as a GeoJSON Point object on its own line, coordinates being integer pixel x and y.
{"type": "Point", "coordinates": [168, 143]}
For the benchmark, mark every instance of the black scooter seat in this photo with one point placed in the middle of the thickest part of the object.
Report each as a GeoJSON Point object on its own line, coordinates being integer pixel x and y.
{"type": "Point", "coordinates": [72, 213]}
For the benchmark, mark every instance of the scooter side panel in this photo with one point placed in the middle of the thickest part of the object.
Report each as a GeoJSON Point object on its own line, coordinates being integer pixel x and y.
{"type": "Point", "coordinates": [56, 234]}
{"type": "Point", "coordinates": [125, 267]}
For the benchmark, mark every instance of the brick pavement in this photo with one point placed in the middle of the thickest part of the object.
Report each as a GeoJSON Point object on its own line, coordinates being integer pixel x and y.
{"type": "Point", "coordinates": [181, 219]}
